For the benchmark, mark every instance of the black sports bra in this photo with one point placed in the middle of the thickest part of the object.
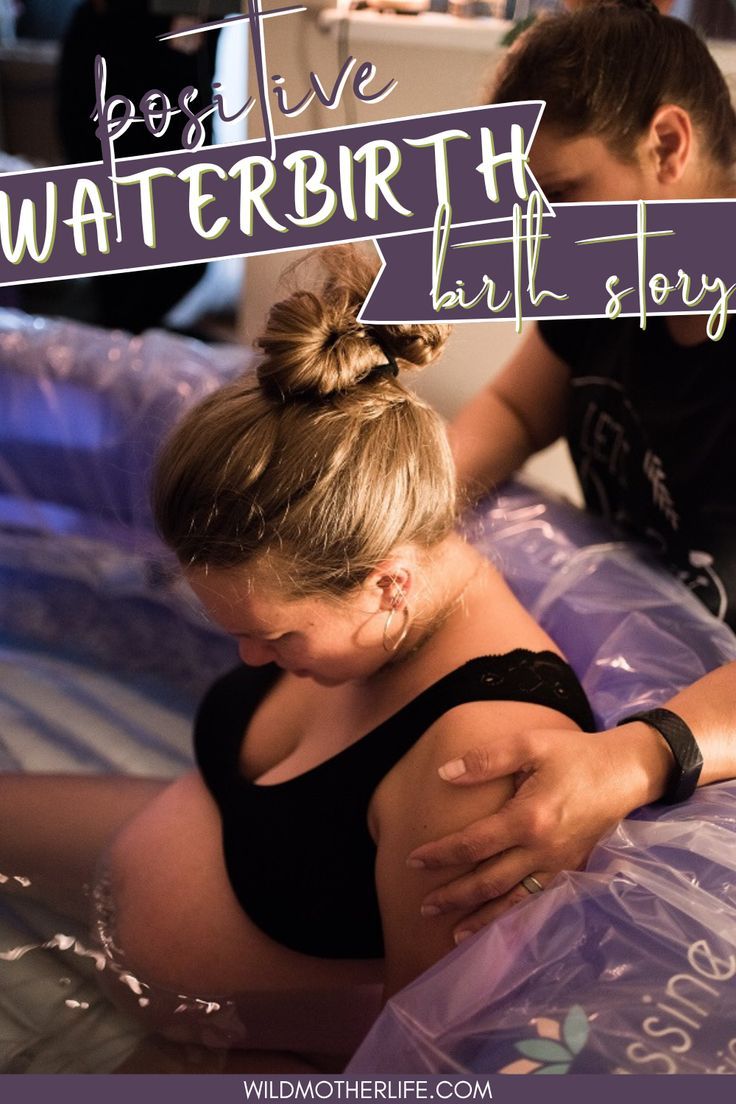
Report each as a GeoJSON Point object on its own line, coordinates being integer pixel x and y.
{"type": "Point", "coordinates": [298, 853]}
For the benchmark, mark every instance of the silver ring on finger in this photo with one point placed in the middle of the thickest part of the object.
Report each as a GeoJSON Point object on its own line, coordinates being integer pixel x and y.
{"type": "Point", "coordinates": [531, 884]}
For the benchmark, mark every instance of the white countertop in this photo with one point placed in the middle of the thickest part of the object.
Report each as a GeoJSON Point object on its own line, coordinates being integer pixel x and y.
{"type": "Point", "coordinates": [427, 28]}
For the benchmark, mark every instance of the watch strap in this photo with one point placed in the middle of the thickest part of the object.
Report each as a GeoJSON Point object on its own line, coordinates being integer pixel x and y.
{"type": "Point", "coordinates": [684, 747]}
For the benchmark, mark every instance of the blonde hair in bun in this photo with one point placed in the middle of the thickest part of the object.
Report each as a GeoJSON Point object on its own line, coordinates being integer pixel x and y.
{"type": "Point", "coordinates": [325, 462]}
{"type": "Point", "coordinates": [315, 345]}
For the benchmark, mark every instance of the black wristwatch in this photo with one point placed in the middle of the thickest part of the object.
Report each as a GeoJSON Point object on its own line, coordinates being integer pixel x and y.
{"type": "Point", "coordinates": [684, 747]}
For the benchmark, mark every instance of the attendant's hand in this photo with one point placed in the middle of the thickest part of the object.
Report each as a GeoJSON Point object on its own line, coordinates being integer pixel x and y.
{"type": "Point", "coordinates": [570, 789]}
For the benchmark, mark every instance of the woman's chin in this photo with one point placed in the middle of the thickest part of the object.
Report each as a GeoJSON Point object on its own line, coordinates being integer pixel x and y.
{"type": "Point", "coordinates": [322, 679]}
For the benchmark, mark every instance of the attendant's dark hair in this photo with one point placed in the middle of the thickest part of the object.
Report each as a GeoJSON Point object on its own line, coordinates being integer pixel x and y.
{"type": "Point", "coordinates": [322, 460]}
{"type": "Point", "coordinates": [605, 68]}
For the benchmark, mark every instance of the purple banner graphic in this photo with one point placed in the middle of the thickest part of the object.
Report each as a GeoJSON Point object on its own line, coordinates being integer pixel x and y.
{"type": "Point", "coordinates": [324, 186]}
{"type": "Point", "coordinates": [585, 260]}
{"type": "Point", "coordinates": [452, 1089]}
{"type": "Point", "coordinates": [464, 232]}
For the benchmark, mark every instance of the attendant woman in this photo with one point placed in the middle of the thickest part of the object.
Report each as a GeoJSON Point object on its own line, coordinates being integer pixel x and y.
{"type": "Point", "coordinates": [635, 108]}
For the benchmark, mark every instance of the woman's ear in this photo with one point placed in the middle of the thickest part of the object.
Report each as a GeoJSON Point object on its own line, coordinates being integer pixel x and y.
{"type": "Point", "coordinates": [670, 143]}
{"type": "Point", "coordinates": [393, 581]}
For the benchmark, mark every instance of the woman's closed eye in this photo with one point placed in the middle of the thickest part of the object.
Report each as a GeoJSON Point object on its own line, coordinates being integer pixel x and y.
{"type": "Point", "coordinates": [561, 193]}
{"type": "Point", "coordinates": [562, 189]}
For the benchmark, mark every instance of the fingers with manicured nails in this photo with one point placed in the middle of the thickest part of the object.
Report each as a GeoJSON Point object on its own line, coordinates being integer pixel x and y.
{"type": "Point", "coordinates": [549, 823]}
{"type": "Point", "coordinates": [488, 881]}
{"type": "Point", "coordinates": [478, 920]}
{"type": "Point", "coordinates": [483, 763]}
{"type": "Point", "coordinates": [480, 840]}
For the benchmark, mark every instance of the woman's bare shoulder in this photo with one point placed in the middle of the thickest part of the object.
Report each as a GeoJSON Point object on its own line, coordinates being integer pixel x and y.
{"type": "Point", "coordinates": [414, 805]}
{"type": "Point", "coordinates": [474, 724]}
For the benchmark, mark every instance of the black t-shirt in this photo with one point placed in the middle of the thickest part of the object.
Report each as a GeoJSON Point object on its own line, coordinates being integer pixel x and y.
{"type": "Point", "coordinates": [652, 432]}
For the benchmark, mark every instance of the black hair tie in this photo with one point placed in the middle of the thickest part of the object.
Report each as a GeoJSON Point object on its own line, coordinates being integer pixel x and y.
{"type": "Point", "coordinates": [646, 6]}
{"type": "Point", "coordinates": [390, 369]}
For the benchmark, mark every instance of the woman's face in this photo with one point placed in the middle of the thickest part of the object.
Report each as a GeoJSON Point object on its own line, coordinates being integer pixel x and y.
{"type": "Point", "coordinates": [330, 641]}
{"type": "Point", "coordinates": [585, 170]}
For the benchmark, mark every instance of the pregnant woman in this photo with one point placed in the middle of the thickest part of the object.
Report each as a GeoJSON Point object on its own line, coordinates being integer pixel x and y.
{"type": "Point", "coordinates": [312, 508]}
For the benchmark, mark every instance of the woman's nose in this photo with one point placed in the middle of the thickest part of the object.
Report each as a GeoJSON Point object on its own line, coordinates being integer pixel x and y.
{"type": "Point", "coordinates": [255, 653]}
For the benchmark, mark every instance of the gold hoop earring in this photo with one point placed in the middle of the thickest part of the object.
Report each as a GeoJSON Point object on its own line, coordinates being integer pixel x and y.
{"type": "Point", "coordinates": [390, 645]}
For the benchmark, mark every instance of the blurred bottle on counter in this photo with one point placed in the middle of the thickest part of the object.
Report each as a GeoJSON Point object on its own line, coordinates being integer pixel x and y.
{"type": "Point", "coordinates": [8, 16]}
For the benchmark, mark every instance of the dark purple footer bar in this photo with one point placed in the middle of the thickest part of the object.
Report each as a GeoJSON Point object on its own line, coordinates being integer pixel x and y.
{"type": "Point", "coordinates": [244, 1089]}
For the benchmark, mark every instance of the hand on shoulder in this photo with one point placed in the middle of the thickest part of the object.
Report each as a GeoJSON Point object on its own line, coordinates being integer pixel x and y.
{"type": "Point", "coordinates": [414, 805]}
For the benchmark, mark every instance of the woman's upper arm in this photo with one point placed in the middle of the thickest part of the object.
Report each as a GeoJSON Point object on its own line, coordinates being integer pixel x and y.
{"type": "Point", "coordinates": [522, 410]}
{"type": "Point", "coordinates": [413, 805]}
